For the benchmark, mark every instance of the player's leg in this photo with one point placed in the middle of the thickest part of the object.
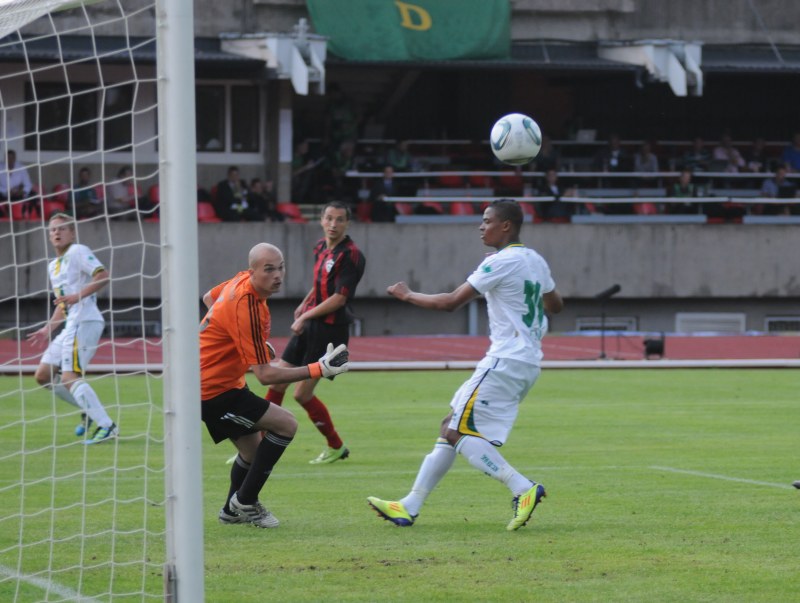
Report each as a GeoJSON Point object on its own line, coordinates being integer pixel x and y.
{"type": "Point", "coordinates": [47, 373]}
{"type": "Point", "coordinates": [77, 350]}
{"type": "Point", "coordinates": [304, 349]}
{"type": "Point", "coordinates": [434, 467]}
{"type": "Point", "coordinates": [482, 421]}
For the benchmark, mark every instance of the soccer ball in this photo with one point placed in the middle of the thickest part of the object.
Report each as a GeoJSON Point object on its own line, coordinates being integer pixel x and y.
{"type": "Point", "coordinates": [515, 139]}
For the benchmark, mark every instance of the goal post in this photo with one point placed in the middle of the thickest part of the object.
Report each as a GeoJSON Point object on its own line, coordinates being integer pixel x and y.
{"type": "Point", "coordinates": [106, 87]}
{"type": "Point", "coordinates": [179, 242]}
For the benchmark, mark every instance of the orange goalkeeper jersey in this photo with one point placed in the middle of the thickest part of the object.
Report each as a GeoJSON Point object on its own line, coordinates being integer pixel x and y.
{"type": "Point", "coordinates": [233, 336]}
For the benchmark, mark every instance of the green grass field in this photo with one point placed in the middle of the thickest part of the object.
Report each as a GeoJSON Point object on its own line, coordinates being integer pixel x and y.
{"type": "Point", "coordinates": [663, 485]}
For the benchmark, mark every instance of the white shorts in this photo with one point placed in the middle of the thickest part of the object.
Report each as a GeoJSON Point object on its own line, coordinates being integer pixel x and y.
{"type": "Point", "coordinates": [73, 349]}
{"type": "Point", "coordinates": [486, 404]}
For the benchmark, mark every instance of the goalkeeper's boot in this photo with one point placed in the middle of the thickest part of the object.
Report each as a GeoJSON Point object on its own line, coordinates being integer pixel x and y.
{"type": "Point", "coordinates": [102, 434]}
{"type": "Point", "coordinates": [84, 425]}
{"type": "Point", "coordinates": [229, 517]}
{"type": "Point", "coordinates": [331, 455]}
{"type": "Point", "coordinates": [257, 514]}
{"type": "Point", "coordinates": [392, 510]}
{"type": "Point", "coordinates": [524, 504]}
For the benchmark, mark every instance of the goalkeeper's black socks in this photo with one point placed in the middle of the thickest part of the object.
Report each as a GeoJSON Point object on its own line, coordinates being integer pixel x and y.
{"type": "Point", "coordinates": [267, 455]}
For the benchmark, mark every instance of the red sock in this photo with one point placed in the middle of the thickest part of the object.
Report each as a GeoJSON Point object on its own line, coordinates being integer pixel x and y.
{"type": "Point", "coordinates": [319, 415]}
{"type": "Point", "coordinates": [274, 397]}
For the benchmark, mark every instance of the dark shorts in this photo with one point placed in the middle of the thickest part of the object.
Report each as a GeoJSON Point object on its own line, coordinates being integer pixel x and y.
{"type": "Point", "coordinates": [232, 414]}
{"type": "Point", "coordinates": [312, 343]}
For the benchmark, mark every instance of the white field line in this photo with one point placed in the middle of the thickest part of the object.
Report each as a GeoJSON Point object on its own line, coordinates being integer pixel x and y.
{"type": "Point", "coordinates": [726, 478]}
{"type": "Point", "coordinates": [46, 585]}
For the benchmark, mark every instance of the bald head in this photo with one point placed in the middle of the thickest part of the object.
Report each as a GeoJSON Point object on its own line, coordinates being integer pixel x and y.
{"type": "Point", "coordinates": [264, 253]}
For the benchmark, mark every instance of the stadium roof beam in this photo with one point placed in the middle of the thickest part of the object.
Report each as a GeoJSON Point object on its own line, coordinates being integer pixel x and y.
{"type": "Point", "coordinates": [298, 56]}
{"type": "Point", "coordinates": [674, 62]}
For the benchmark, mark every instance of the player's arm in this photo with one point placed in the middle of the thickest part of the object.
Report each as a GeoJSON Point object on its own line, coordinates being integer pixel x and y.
{"type": "Point", "coordinates": [100, 279]}
{"type": "Point", "coordinates": [553, 303]}
{"type": "Point", "coordinates": [333, 362]}
{"type": "Point", "coordinates": [453, 300]}
{"type": "Point", "coordinates": [298, 311]}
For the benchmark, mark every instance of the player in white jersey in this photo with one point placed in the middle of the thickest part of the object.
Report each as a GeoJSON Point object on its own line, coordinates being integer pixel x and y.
{"type": "Point", "coordinates": [76, 276]}
{"type": "Point", "coordinates": [519, 289]}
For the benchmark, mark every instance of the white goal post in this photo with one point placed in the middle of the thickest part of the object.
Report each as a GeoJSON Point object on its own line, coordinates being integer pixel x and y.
{"type": "Point", "coordinates": [106, 87]}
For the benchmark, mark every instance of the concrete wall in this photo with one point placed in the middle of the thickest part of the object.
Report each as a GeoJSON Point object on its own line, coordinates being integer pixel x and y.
{"type": "Point", "coordinates": [661, 268]}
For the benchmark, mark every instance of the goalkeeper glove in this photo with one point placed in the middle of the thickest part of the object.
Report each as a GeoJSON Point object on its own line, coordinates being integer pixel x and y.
{"type": "Point", "coordinates": [334, 361]}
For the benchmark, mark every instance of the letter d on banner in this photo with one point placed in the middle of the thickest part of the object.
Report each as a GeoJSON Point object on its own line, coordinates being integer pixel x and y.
{"type": "Point", "coordinates": [408, 10]}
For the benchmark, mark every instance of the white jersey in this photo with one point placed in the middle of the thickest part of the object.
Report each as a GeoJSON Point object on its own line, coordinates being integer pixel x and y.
{"type": "Point", "coordinates": [513, 280]}
{"type": "Point", "coordinates": [69, 274]}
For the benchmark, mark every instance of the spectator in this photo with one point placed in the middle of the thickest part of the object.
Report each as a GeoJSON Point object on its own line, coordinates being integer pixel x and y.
{"type": "Point", "coordinates": [555, 210]}
{"type": "Point", "coordinates": [342, 161]}
{"type": "Point", "coordinates": [645, 161]}
{"type": "Point", "coordinates": [121, 194]}
{"type": "Point", "coordinates": [612, 158]}
{"type": "Point", "coordinates": [757, 159]}
{"type": "Point", "coordinates": [385, 187]}
{"type": "Point", "coordinates": [231, 203]}
{"type": "Point", "coordinates": [779, 187]}
{"type": "Point", "coordinates": [85, 202]}
{"type": "Point", "coordinates": [727, 155]}
{"type": "Point", "coordinates": [684, 188]}
{"type": "Point", "coordinates": [791, 154]}
{"type": "Point", "coordinates": [697, 158]}
{"type": "Point", "coordinates": [15, 184]}
{"type": "Point", "coordinates": [263, 201]}
{"type": "Point", "coordinates": [398, 157]}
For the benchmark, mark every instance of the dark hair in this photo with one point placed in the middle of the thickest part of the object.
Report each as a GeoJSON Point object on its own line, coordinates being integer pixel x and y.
{"type": "Point", "coordinates": [508, 209]}
{"type": "Point", "coordinates": [121, 171]}
{"type": "Point", "coordinates": [338, 205]}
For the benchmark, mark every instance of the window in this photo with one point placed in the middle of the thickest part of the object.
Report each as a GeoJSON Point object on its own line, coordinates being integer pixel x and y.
{"type": "Point", "coordinates": [245, 127]}
{"type": "Point", "coordinates": [118, 117]}
{"type": "Point", "coordinates": [60, 121]}
{"type": "Point", "coordinates": [210, 107]}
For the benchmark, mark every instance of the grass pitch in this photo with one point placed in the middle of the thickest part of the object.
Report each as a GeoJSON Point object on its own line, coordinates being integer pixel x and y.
{"type": "Point", "coordinates": [663, 485]}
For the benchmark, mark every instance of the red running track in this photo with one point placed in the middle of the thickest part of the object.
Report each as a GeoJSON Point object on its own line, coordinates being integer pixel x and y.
{"type": "Point", "coordinates": [449, 348]}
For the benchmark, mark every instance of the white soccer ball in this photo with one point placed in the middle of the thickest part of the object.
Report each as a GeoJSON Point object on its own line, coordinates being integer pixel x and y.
{"type": "Point", "coordinates": [515, 139]}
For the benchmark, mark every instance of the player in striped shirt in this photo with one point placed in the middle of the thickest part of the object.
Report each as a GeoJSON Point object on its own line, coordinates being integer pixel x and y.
{"type": "Point", "coordinates": [324, 316]}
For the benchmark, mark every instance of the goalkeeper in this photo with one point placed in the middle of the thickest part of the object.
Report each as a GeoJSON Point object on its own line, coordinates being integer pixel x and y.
{"type": "Point", "coordinates": [233, 339]}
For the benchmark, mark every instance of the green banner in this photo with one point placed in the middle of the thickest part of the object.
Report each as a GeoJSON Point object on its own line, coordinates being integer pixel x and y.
{"type": "Point", "coordinates": [390, 30]}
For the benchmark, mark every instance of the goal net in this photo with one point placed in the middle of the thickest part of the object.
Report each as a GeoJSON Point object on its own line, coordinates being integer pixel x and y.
{"type": "Point", "coordinates": [79, 134]}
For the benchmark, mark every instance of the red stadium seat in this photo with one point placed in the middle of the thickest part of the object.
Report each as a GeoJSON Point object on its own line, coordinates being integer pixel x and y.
{"type": "Point", "coordinates": [154, 194]}
{"type": "Point", "coordinates": [292, 212]}
{"type": "Point", "coordinates": [404, 209]}
{"type": "Point", "coordinates": [206, 213]}
{"type": "Point", "coordinates": [364, 211]}
{"type": "Point", "coordinates": [480, 181]}
{"type": "Point", "coordinates": [461, 208]}
{"type": "Point", "coordinates": [450, 180]}
{"type": "Point", "coordinates": [62, 194]}
{"type": "Point", "coordinates": [645, 209]}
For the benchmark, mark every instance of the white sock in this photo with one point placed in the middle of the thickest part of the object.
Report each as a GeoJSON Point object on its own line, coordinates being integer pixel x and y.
{"type": "Point", "coordinates": [485, 457]}
{"type": "Point", "coordinates": [432, 470]}
{"type": "Point", "coordinates": [60, 390]}
{"type": "Point", "coordinates": [89, 401]}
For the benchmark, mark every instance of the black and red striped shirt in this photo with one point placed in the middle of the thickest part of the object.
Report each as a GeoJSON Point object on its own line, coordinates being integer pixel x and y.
{"type": "Point", "coordinates": [336, 270]}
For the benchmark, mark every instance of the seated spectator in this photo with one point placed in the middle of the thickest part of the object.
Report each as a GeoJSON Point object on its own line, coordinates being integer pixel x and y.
{"type": "Point", "coordinates": [343, 159]}
{"type": "Point", "coordinates": [555, 210]}
{"type": "Point", "coordinates": [122, 194]}
{"type": "Point", "coordinates": [15, 184]}
{"type": "Point", "coordinates": [387, 186]}
{"type": "Point", "coordinates": [684, 188]}
{"type": "Point", "coordinates": [696, 158]}
{"type": "Point", "coordinates": [304, 172]}
{"type": "Point", "coordinates": [399, 158]}
{"type": "Point", "coordinates": [231, 203]}
{"type": "Point", "coordinates": [791, 154]}
{"type": "Point", "coordinates": [85, 202]}
{"type": "Point", "coordinates": [262, 200]}
{"type": "Point", "coordinates": [645, 161]}
{"type": "Point", "coordinates": [612, 158]}
{"type": "Point", "coordinates": [548, 157]}
{"type": "Point", "coordinates": [727, 155]}
{"type": "Point", "coordinates": [779, 187]}
{"type": "Point", "coordinates": [757, 159]}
